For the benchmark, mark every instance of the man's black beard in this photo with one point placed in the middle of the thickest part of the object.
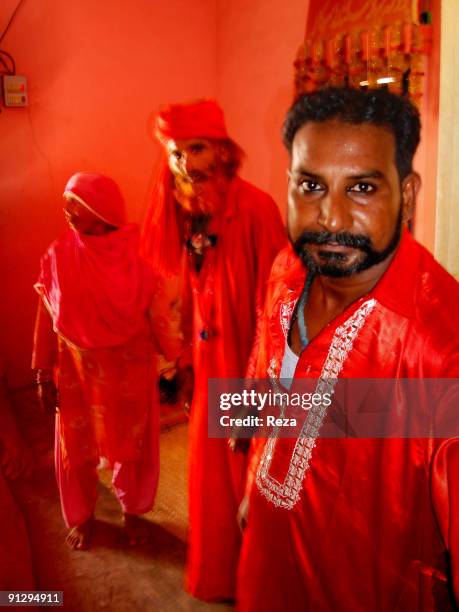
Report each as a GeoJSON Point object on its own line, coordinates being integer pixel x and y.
{"type": "Point", "coordinates": [335, 265]}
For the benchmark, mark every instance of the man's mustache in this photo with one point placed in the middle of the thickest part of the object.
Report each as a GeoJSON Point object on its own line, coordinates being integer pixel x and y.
{"type": "Point", "coordinates": [355, 241]}
{"type": "Point", "coordinates": [195, 176]}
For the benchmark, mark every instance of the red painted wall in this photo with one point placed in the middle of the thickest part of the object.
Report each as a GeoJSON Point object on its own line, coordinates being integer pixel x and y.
{"type": "Point", "coordinates": [257, 44]}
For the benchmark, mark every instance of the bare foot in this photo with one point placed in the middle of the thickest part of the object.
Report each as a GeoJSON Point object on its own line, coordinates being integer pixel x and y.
{"type": "Point", "coordinates": [79, 537]}
{"type": "Point", "coordinates": [136, 529]}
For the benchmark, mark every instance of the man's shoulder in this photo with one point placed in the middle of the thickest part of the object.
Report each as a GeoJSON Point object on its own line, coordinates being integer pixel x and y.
{"type": "Point", "coordinates": [437, 291]}
{"type": "Point", "coordinates": [285, 264]}
{"type": "Point", "coordinates": [436, 320]}
{"type": "Point", "coordinates": [287, 275]}
{"type": "Point", "coordinates": [419, 288]}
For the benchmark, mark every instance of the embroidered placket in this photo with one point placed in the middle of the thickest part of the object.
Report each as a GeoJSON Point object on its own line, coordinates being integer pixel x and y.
{"type": "Point", "coordinates": [286, 494]}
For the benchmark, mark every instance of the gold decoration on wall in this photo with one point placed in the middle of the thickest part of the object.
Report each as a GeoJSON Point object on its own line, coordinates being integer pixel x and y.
{"type": "Point", "coordinates": [389, 56]}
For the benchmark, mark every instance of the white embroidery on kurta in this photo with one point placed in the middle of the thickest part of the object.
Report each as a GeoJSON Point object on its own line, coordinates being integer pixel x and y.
{"type": "Point", "coordinates": [285, 314]}
{"type": "Point", "coordinates": [273, 369]}
{"type": "Point", "coordinates": [287, 493]}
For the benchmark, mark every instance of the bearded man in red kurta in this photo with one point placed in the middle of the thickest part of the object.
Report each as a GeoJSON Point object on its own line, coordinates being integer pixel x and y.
{"type": "Point", "coordinates": [222, 234]}
{"type": "Point", "coordinates": [354, 524]}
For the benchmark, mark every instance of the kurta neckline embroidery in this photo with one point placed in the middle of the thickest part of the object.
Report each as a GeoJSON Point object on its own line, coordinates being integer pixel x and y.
{"type": "Point", "coordinates": [287, 493]}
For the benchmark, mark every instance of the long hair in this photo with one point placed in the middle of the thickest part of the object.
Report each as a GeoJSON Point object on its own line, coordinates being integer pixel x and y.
{"type": "Point", "coordinates": [161, 243]}
{"type": "Point", "coordinates": [232, 156]}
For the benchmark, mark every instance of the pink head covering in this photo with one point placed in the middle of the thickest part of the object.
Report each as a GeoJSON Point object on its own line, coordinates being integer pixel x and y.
{"type": "Point", "coordinates": [97, 288]}
{"type": "Point", "coordinates": [201, 119]}
{"type": "Point", "coordinates": [100, 194]}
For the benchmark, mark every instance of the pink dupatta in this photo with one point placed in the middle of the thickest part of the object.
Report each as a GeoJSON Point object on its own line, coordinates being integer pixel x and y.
{"type": "Point", "coordinates": [96, 288]}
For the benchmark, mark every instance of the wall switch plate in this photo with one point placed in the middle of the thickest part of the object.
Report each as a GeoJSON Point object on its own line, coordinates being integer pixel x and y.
{"type": "Point", "coordinates": [15, 91]}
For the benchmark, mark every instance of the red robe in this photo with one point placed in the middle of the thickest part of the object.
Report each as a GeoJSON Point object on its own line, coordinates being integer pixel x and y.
{"type": "Point", "coordinates": [225, 298]}
{"type": "Point", "coordinates": [362, 524]}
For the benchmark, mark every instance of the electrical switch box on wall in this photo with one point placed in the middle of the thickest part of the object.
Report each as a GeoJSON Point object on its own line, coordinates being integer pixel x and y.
{"type": "Point", "coordinates": [15, 91]}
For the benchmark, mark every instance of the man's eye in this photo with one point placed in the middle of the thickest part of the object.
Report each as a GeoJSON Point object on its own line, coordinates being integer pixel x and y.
{"type": "Point", "coordinates": [308, 186]}
{"type": "Point", "coordinates": [197, 148]}
{"type": "Point", "coordinates": [362, 188]}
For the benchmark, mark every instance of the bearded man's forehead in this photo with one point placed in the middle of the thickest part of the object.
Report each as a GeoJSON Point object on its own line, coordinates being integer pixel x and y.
{"type": "Point", "coordinates": [191, 143]}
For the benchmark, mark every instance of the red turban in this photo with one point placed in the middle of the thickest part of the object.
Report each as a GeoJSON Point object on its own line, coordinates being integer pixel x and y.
{"type": "Point", "coordinates": [100, 194]}
{"type": "Point", "coordinates": [202, 119]}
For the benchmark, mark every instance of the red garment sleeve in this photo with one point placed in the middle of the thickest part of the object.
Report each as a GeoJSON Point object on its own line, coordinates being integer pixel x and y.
{"type": "Point", "coordinates": [445, 496]}
{"type": "Point", "coordinates": [186, 358]}
{"type": "Point", "coordinates": [270, 238]}
{"type": "Point", "coordinates": [165, 318]}
{"type": "Point", "coordinates": [253, 370]}
{"type": "Point", "coordinates": [44, 355]}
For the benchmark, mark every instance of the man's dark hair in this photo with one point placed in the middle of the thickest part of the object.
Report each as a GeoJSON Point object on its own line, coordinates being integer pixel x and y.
{"type": "Point", "coordinates": [232, 158]}
{"type": "Point", "coordinates": [375, 106]}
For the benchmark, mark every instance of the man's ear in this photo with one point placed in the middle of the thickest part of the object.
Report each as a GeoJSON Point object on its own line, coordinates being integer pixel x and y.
{"type": "Point", "coordinates": [410, 188]}
{"type": "Point", "coordinates": [224, 152]}
{"type": "Point", "coordinates": [289, 175]}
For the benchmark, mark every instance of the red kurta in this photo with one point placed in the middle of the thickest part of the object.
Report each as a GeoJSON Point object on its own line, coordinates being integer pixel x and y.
{"type": "Point", "coordinates": [349, 524]}
{"type": "Point", "coordinates": [226, 295]}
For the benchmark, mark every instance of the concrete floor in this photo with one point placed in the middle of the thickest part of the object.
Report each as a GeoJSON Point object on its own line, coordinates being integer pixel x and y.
{"type": "Point", "coordinates": [111, 575]}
